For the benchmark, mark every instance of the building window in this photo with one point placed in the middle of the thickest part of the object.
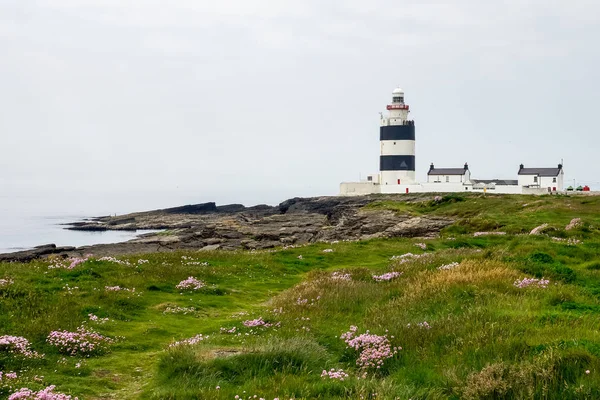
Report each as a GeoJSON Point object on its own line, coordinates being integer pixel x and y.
{"type": "Point", "coordinates": [447, 179]}
{"type": "Point", "coordinates": [369, 178]}
{"type": "Point", "coordinates": [535, 179]}
{"type": "Point", "coordinates": [553, 180]}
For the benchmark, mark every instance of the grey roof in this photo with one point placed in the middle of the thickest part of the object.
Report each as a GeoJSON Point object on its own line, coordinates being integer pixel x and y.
{"type": "Point", "coordinates": [540, 171]}
{"type": "Point", "coordinates": [496, 181]}
{"type": "Point", "coordinates": [447, 171]}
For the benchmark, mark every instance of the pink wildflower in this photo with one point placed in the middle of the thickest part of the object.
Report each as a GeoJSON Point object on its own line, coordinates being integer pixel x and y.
{"type": "Point", "coordinates": [338, 276]}
{"type": "Point", "coordinates": [526, 282]}
{"type": "Point", "coordinates": [190, 283]}
{"type": "Point", "coordinates": [387, 277]}
{"type": "Point", "coordinates": [44, 394]}
{"type": "Point", "coordinates": [374, 349]}
{"type": "Point", "coordinates": [189, 342]}
{"type": "Point", "coordinates": [339, 374]}
{"type": "Point", "coordinates": [17, 345]}
{"type": "Point", "coordinates": [575, 222]}
{"type": "Point", "coordinates": [83, 341]}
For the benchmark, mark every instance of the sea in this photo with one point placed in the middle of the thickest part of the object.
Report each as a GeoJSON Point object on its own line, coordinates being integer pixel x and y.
{"type": "Point", "coordinates": [26, 223]}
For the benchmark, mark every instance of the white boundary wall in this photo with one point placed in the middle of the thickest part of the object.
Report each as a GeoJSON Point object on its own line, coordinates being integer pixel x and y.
{"type": "Point", "coordinates": [363, 188]}
{"type": "Point", "coordinates": [358, 188]}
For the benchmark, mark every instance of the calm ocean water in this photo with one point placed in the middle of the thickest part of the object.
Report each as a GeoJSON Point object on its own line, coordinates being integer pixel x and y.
{"type": "Point", "coordinates": [25, 224]}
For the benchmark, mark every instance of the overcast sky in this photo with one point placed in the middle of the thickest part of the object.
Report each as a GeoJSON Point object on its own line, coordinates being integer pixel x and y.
{"type": "Point", "coordinates": [120, 105]}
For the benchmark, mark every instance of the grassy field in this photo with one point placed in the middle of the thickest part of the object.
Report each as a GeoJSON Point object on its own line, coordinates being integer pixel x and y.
{"type": "Point", "coordinates": [450, 323]}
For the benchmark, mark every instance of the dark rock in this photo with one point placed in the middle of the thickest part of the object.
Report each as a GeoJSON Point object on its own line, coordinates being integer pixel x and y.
{"type": "Point", "coordinates": [203, 208]}
{"type": "Point", "coordinates": [231, 208]}
{"type": "Point", "coordinates": [35, 253]}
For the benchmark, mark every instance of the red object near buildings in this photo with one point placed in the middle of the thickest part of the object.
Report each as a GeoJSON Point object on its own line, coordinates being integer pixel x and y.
{"type": "Point", "coordinates": [398, 181]}
{"type": "Point", "coordinates": [406, 190]}
{"type": "Point", "coordinates": [586, 188]}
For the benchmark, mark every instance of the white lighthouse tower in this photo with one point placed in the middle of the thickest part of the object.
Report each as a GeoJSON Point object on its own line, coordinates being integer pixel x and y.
{"type": "Point", "coordinates": [397, 136]}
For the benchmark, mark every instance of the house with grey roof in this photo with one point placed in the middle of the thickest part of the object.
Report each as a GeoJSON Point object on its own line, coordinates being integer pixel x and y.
{"type": "Point", "coordinates": [542, 178]}
{"type": "Point", "coordinates": [449, 175]}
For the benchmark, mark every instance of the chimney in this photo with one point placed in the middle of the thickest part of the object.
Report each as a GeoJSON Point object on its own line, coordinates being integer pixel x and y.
{"type": "Point", "coordinates": [431, 167]}
{"type": "Point", "coordinates": [466, 166]}
{"type": "Point", "coordinates": [559, 166]}
{"type": "Point", "coordinates": [521, 166]}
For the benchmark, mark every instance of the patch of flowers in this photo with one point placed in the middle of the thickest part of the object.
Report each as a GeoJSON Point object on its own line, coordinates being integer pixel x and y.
{"type": "Point", "coordinates": [44, 394]}
{"type": "Point", "coordinates": [338, 374]}
{"type": "Point", "coordinates": [328, 251]}
{"type": "Point", "coordinates": [191, 261]}
{"type": "Point", "coordinates": [83, 342]}
{"type": "Point", "coordinates": [115, 260]}
{"type": "Point", "coordinates": [448, 267]}
{"type": "Point", "coordinates": [387, 276]}
{"type": "Point", "coordinates": [527, 282]}
{"type": "Point", "coordinates": [69, 263]}
{"type": "Point", "coordinates": [190, 283]}
{"type": "Point", "coordinates": [228, 331]}
{"type": "Point", "coordinates": [254, 322]}
{"type": "Point", "coordinates": [17, 345]}
{"type": "Point", "coordinates": [189, 342]}
{"type": "Point", "coordinates": [374, 349]}
{"type": "Point", "coordinates": [339, 276]}
{"type": "Point", "coordinates": [476, 234]}
{"type": "Point", "coordinates": [95, 318]}
{"type": "Point", "coordinates": [424, 325]}
{"type": "Point", "coordinates": [305, 302]}
{"type": "Point", "coordinates": [6, 282]}
{"type": "Point", "coordinates": [118, 289]}
{"type": "Point", "coordinates": [422, 246]}
{"type": "Point", "coordinates": [70, 289]}
{"type": "Point", "coordinates": [568, 242]}
{"type": "Point", "coordinates": [140, 262]}
{"type": "Point", "coordinates": [408, 257]}
{"type": "Point", "coordinates": [575, 222]}
{"type": "Point", "coordinates": [7, 376]}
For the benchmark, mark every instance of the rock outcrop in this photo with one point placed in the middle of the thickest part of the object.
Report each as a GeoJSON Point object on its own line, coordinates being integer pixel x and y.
{"type": "Point", "coordinates": [295, 221]}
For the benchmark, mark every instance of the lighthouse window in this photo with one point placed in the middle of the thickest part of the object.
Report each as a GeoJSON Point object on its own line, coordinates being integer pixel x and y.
{"type": "Point", "coordinates": [398, 99]}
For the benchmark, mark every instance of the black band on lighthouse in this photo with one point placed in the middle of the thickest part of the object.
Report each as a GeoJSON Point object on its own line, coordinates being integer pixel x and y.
{"type": "Point", "coordinates": [397, 163]}
{"type": "Point", "coordinates": [397, 132]}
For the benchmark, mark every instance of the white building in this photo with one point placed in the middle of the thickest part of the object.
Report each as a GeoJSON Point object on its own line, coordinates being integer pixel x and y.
{"type": "Point", "coordinates": [449, 175]}
{"type": "Point", "coordinates": [397, 166]}
{"type": "Point", "coordinates": [550, 179]}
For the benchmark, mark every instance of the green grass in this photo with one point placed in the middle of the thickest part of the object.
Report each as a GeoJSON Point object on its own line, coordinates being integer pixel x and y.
{"type": "Point", "coordinates": [488, 339]}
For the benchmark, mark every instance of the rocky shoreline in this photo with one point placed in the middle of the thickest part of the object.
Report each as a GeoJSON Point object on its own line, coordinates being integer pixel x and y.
{"type": "Point", "coordinates": [207, 226]}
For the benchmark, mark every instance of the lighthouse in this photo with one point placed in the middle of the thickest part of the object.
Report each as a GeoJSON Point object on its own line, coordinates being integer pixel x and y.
{"type": "Point", "coordinates": [397, 139]}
